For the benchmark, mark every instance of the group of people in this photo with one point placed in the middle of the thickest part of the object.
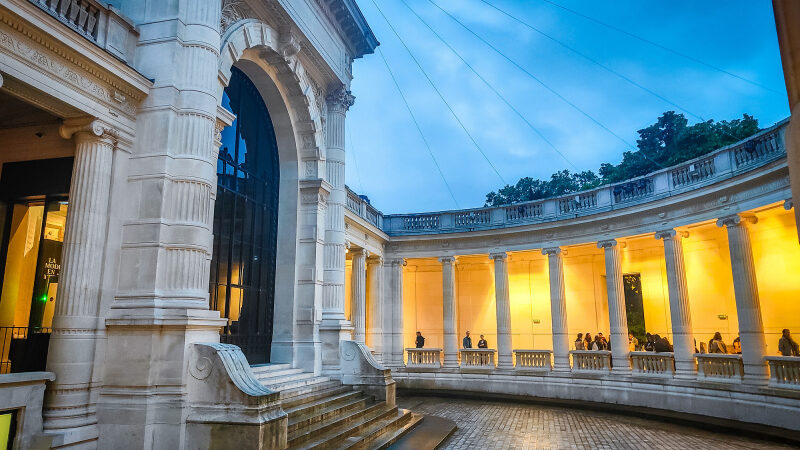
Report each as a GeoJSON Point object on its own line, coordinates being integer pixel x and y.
{"type": "Point", "coordinates": [465, 343]}
{"type": "Point", "coordinates": [786, 345]}
{"type": "Point", "coordinates": [599, 342]}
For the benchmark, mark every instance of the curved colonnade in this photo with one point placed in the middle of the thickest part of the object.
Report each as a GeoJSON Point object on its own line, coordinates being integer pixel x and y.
{"type": "Point", "coordinates": [708, 245]}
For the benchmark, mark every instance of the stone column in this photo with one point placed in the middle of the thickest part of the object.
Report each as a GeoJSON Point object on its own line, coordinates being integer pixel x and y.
{"type": "Point", "coordinates": [682, 336]}
{"type": "Point", "coordinates": [68, 404]}
{"type": "Point", "coordinates": [358, 295]}
{"type": "Point", "coordinates": [395, 295]}
{"type": "Point", "coordinates": [558, 309]}
{"type": "Point", "coordinates": [449, 311]}
{"type": "Point", "coordinates": [375, 328]}
{"type": "Point", "coordinates": [748, 306]}
{"type": "Point", "coordinates": [503, 310]}
{"type": "Point", "coordinates": [617, 316]}
{"type": "Point", "coordinates": [334, 326]}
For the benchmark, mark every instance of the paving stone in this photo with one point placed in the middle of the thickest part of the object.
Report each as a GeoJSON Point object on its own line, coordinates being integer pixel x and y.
{"type": "Point", "coordinates": [506, 425]}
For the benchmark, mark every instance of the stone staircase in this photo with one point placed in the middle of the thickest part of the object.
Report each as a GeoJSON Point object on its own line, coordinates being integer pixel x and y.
{"type": "Point", "coordinates": [324, 413]}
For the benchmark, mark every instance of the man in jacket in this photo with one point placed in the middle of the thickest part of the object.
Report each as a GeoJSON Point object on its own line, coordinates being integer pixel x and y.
{"type": "Point", "coordinates": [420, 340]}
{"type": "Point", "coordinates": [786, 345]}
{"type": "Point", "coordinates": [482, 343]}
{"type": "Point", "coordinates": [467, 341]}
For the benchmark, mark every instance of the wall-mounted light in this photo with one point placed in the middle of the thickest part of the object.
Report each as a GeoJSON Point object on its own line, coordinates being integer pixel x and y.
{"type": "Point", "coordinates": [536, 321]}
{"type": "Point", "coordinates": [722, 317]}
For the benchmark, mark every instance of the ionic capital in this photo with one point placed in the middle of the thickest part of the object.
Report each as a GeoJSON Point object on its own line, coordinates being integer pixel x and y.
{"type": "Point", "coordinates": [610, 243]}
{"type": "Point", "coordinates": [787, 204]}
{"type": "Point", "coordinates": [447, 259]}
{"type": "Point", "coordinates": [89, 128]}
{"type": "Point", "coordinates": [340, 99]}
{"type": "Point", "coordinates": [361, 252]}
{"type": "Point", "coordinates": [552, 251]}
{"type": "Point", "coordinates": [735, 220]}
{"type": "Point", "coordinates": [671, 234]}
{"type": "Point", "coordinates": [498, 255]}
{"type": "Point", "coordinates": [376, 260]}
{"type": "Point", "coordinates": [397, 262]}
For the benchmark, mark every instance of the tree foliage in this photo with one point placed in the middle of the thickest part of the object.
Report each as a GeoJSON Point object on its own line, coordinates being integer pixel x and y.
{"type": "Point", "coordinates": [669, 141]}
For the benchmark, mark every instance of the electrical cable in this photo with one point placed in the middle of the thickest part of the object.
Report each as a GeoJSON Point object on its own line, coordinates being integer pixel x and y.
{"type": "Point", "coordinates": [352, 149]}
{"type": "Point", "coordinates": [435, 88]}
{"type": "Point", "coordinates": [416, 124]}
{"type": "Point", "coordinates": [489, 85]}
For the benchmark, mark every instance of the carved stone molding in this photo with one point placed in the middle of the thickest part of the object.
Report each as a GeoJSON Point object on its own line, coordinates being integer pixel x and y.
{"type": "Point", "coordinates": [288, 44]}
{"type": "Point", "coordinates": [232, 12]}
{"type": "Point", "coordinates": [498, 255]}
{"type": "Point", "coordinates": [340, 99]}
{"type": "Point", "coordinates": [737, 220]}
{"type": "Point", "coordinates": [553, 251]}
{"type": "Point", "coordinates": [671, 234]}
{"type": "Point", "coordinates": [92, 126]}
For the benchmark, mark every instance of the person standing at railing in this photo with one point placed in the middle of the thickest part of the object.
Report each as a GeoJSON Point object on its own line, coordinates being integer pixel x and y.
{"type": "Point", "coordinates": [482, 343]}
{"type": "Point", "coordinates": [587, 341]}
{"type": "Point", "coordinates": [737, 346]}
{"type": "Point", "coordinates": [420, 342]}
{"type": "Point", "coordinates": [467, 341]}
{"type": "Point", "coordinates": [786, 345]}
{"type": "Point", "coordinates": [633, 343]}
{"type": "Point", "coordinates": [599, 342]}
{"type": "Point", "coordinates": [716, 345]}
{"type": "Point", "coordinates": [579, 343]}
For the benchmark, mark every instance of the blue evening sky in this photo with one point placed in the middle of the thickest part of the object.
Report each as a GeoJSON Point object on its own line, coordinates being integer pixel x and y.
{"type": "Point", "coordinates": [387, 159]}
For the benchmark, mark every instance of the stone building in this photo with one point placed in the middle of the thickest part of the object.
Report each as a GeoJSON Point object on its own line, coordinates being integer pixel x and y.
{"type": "Point", "coordinates": [184, 267]}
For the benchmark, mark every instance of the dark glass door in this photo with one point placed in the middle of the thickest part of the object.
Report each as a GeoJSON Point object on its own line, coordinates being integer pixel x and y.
{"type": "Point", "coordinates": [242, 281]}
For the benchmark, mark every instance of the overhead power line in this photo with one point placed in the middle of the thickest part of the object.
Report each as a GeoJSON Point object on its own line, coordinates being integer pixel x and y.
{"type": "Point", "coordinates": [534, 77]}
{"type": "Point", "coordinates": [662, 47]}
{"type": "Point", "coordinates": [489, 85]}
{"type": "Point", "coordinates": [419, 129]}
{"type": "Point", "coordinates": [438, 92]}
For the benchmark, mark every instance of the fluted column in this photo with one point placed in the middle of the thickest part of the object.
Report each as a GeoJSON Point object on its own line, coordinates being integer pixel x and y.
{"type": "Point", "coordinates": [558, 309]}
{"type": "Point", "coordinates": [68, 404]}
{"type": "Point", "coordinates": [682, 336]}
{"type": "Point", "coordinates": [617, 316]}
{"type": "Point", "coordinates": [334, 325]}
{"type": "Point", "coordinates": [748, 306]}
{"type": "Point", "coordinates": [395, 341]}
{"type": "Point", "coordinates": [358, 295]}
{"type": "Point", "coordinates": [503, 310]}
{"type": "Point", "coordinates": [450, 346]}
{"type": "Point", "coordinates": [375, 305]}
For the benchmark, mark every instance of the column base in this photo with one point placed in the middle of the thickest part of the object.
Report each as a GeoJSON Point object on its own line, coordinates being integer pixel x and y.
{"type": "Point", "coordinates": [755, 380]}
{"type": "Point", "coordinates": [83, 437]}
{"type": "Point", "coordinates": [331, 333]}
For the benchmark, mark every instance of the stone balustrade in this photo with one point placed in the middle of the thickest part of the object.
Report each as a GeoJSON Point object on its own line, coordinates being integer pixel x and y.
{"type": "Point", "coordinates": [424, 358]}
{"type": "Point", "coordinates": [96, 21]}
{"type": "Point", "coordinates": [591, 360]}
{"type": "Point", "coordinates": [719, 367]}
{"type": "Point", "coordinates": [653, 364]}
{"type": "Point", "coordinates": [362, 208]}
{"type": "Point", "coordinates": [756, 151]}
{"type": "Point", "coordinates": [477, 358]}
{"type": "Point", "coordinates": [784, 371]}
{"type": "Point", "coordinates": [533, 360]}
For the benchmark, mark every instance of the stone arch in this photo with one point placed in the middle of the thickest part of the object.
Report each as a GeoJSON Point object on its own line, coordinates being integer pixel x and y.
{"type": "Point", "coordinates": [269, 59]}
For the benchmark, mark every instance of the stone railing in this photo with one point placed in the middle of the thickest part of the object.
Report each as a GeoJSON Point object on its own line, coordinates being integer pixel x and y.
{"type": "Point", "coordinates": [424, 358]}
{"type": "Point", "coordinates": [591, 360]}
{"type": "Point", "coordinates": [477, 358]}
{"type": "Point", "coordinates": [719, 367]}
{"type": "Point", "coordinates": [533, 360]}
{"type": "Point", "coordinates": [96, 21]}
{"type": "Point", "coordinates": [363, 209]}
{"type": "Point", "coordinates": [784, 371]}
{"type": "Point", "coordinates": [653, 364]}
{"type": "Point", "coordinates": [758, 150]}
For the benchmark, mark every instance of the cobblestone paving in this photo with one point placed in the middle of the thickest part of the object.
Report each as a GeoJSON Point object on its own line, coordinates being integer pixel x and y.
{"type": "Point", "coordinates": [504, 425]}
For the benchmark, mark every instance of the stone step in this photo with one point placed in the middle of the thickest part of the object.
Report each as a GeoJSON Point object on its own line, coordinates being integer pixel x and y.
{"type": "Point", "coordinates": [299, 437]}
{"type": "Point", "coordinates": [285, 377]}
{"type": "Point", "coordinates": [321, 404]}
{"type": "Point", "coordinates": [360, 402]}
{"type": "Point", "coordinates": [331, 388]}
{"type": "Point", "coordinates": [431, 432]}
{"type": "Point", "coordinates": [277, 374]}
{"type": "Point", "coordinates": [289, 395]}
{"type": "Point", "coordinates": [338, 436]}
{"type": "Point", "coordinates": [279, 384]}
{"type": "Point", "coordinates": [279, 387]}
{"type": "Point", "coordinates": [260, 368]}
{"type": "Point", "coordinates": [383, 433]}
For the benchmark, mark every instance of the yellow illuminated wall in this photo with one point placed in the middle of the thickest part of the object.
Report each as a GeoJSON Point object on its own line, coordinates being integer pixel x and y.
{"type": "Point", "coordinates": [348, 286]}
{"type": "Point", "coordinates": [422, 302]}
{"type": "Point", "coordinates": [644, 255]}
{"type": "Point", "coordinates": [585, 289]}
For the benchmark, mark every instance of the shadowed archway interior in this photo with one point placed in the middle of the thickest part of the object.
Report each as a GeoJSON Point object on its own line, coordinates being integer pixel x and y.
{"type": "Point", "coordinates": [242, 281]}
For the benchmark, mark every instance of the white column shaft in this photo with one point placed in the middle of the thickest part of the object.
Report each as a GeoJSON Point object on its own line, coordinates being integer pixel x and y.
{"type": "Point", "coordinates": [682, 336]}
{"type": "Point", "coordinates": [503, 311]}
{"type": "Point", "coordinates": [617, 316]}
{"type": "Point", "coordinates": [358, 297]}
{"type": "Point", "coordinates": [558, 309]}
{"type": "Point", "coordinates": [748, 306]}
{"type": "Point", "coordinates": [449, 311]}
{"type": "Point", "coordinates": [375, 306]}
{"type": "Point", "coordinates": [396, 301]}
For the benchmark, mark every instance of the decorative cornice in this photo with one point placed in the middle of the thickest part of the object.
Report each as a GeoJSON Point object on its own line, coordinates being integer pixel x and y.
{"type": "Point", "coordinates": [735, 220]}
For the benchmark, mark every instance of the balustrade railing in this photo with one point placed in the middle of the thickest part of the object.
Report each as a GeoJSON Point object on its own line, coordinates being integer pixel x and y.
{"type": "Point", "coordinates": [361, 207]}
{"type": "Point", "coordinates": [577, 203]}
{"type": "Point", "coordinates": [632, 190]}
{"type": "Point", "coordinates": [760, 148]}
{"type": "Point", "coordinates": [354, 202]}
{"type": "Point", "coordinates": [693, 173]}
{"type": "Point", "coordinates": [424, 358]}
{"type": "Point", "coordinates": [523, 212]}
{"type": "Point", "coordinates": [784, 371]}
{"type": "Point", "coordinates": [719, 367]}
{"type": "Point", "coordinates": [591, 360]}
{"type": "Point", "coordinates": [23, 349]}
{"type": "Point", "coordinates": [533, 360]}
{"type": "Point", "coordinates": [477, 358]}
{"type": "Point", "coordinates": [426, 222]}
{"type": "Point", "coordinates": [655, 364]}
{"type": "Point", "coordinates": [468, 219]}
{"type": "Point", "coordinates": [96, 21]}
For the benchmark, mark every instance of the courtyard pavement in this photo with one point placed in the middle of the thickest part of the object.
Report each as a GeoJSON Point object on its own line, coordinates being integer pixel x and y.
{"type": "Point", "coordinates": [506, 425]}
